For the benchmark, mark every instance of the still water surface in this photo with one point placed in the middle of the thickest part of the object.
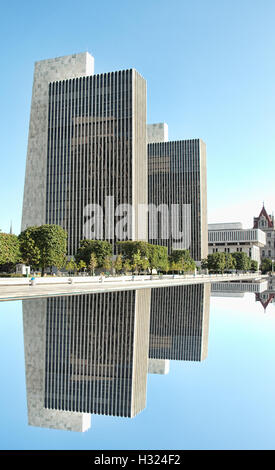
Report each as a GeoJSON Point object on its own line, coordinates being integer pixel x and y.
{"type": "Point", "coordinates": [166, 368]}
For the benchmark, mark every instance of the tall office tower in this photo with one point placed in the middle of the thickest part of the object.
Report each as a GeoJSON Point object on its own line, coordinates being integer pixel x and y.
{"type": "Point", "coordinates": [87, 142]}
{"type": "Point", "coordinates": [179, 322]}
{"type": "Point", "coordinates": [91, 355]}
{"type": "Point", "coordinates": [177, 188]}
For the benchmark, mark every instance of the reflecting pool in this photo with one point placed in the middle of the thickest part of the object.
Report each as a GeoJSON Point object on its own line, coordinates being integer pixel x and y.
{"type": "Point", "coordinates": [180, 367]}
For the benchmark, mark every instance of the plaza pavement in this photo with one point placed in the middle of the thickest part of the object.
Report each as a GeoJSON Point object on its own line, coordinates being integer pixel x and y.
{"type": "Point", "coordinates": [20, 288]}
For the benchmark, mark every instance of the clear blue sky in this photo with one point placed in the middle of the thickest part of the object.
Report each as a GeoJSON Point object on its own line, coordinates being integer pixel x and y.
{"type": "Point", "coordinates": [210, 70]}
{"type": "Point", "coordinates": [225, 402]}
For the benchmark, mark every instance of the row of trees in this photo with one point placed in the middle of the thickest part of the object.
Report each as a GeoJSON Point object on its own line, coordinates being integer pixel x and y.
{"type": "Point", "coordinates": [46, 246]}
{"type": "Point", "coordinates": [181, 261]}
{"type": "Point", "coordinates": [142, 256]}
{"type": "Point", "coordinates": [220, 262]}
{"type": "Point", "coordinates": [133, 256]}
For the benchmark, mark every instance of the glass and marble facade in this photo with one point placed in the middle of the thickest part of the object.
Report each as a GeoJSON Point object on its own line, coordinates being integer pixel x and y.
{"type": "Point", "coordinates": [92, 145]}
{"type": "Point", "coordinates": [177, 176]}
{"type": "Point", "coordinates": [179, 323]}
{"type": "Point", "coordinates": [86, 354]}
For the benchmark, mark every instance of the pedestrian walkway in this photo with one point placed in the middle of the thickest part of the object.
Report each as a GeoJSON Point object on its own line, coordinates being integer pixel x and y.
{"type": "Point", "coordinates": [23, 288]}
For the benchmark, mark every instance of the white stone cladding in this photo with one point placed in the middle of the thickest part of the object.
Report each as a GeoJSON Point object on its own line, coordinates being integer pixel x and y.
{"type": "Point", "coordinates": [255, 236]}
{"type": "Point", "coordinates": [229, 240]}
{"type": "Point", "coordinates": [45, 71]}
{"type": "Point", "coordinates": [158, 366]}
{"type": "Point", "coordinates": [226, 226]}
{"type": "Point", "coordinates": [157, 133]}
{"type": "Point", "coordinates": [237, 287]}
{"type": "Point", "coordinates": [251, 250]}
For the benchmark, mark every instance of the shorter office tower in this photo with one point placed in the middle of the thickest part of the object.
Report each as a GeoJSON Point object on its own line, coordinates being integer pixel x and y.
{"type": "Point", "coordinates": [158, 366]}
{"type": "Point", "coordinates": [265, 223]}
{"type": "Point", "coordinates": [179, 322]}
{"type": "Point", "coordinates": [89, 356]}
{"type": "Point", "coordinates": [231, 238]}
{"type": "Point", "coordinates": [177, 189]}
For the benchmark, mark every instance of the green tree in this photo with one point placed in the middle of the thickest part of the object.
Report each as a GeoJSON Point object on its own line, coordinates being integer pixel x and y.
{"type": "Point", "coordinates": [266, 265]}
{"type": "Point", "coordinates": [107, 264]}
{"type": "Point", "coordinates": [81, 265]}
{"type": "Point", "coordinates": [118, 264]}
{"type": "Point", "coordinates": [176, 266]}
{"type": "Point", "coordinates": [243, 261]}
{"type": "Point", "coordinates": [216, 262]}
{"type": "Point", "coordinates": [92, 263]}
{"type": "Point", "coordinates": [71, 266]}
{"type": "Point", "coordinates": [100, 248]}
{"type": "Point", "coordinates": [183, 259]}
{"type": "Point", "coordinates": [166, 266]}
{"type": "Point", "coordinates": [43, 246]}
{"type": "Point", "coordinates": [230, 262]}
{"type": "Point", "coordinates": [128, 248]}
{"type": "Point", "coordinates": [29, 250]}
{"type": "Point", "coordinates": [254, 265]}
{"type": "Point", "coordinates": [156, 255]}
{"type": "Point", "coordinates": [9, 251]}
{"type": "Point", "coordinates": [219, 262]}
{"type": "Point", "coordinates": [137, 261]}
{"type": "Point", "coordinates": [127, 266]}
{"type": "Point", "coordinates": [144, 264]}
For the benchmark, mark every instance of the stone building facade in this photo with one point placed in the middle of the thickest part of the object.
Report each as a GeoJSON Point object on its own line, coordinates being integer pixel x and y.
{"type": "Point", "coordinates": [265, 222]}
{"type": "Point", "coordinates": [232, 238]}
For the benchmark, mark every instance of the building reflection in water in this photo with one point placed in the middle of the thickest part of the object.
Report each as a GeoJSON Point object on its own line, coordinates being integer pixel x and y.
{"type": "Point", "coordinates": [267, 297]}
{"type": "Point", "coordinates": [90, 354]}
{"type": "Point", "coordinates": [86, 354]}
{"type": "Point", "coordinates": [263, 288]}
{"type": "Point", "coordinates": [179, 323]}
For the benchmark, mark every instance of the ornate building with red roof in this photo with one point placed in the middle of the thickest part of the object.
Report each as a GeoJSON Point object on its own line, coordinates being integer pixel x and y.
{"type": "Point", "coordinates": [265, 222]}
